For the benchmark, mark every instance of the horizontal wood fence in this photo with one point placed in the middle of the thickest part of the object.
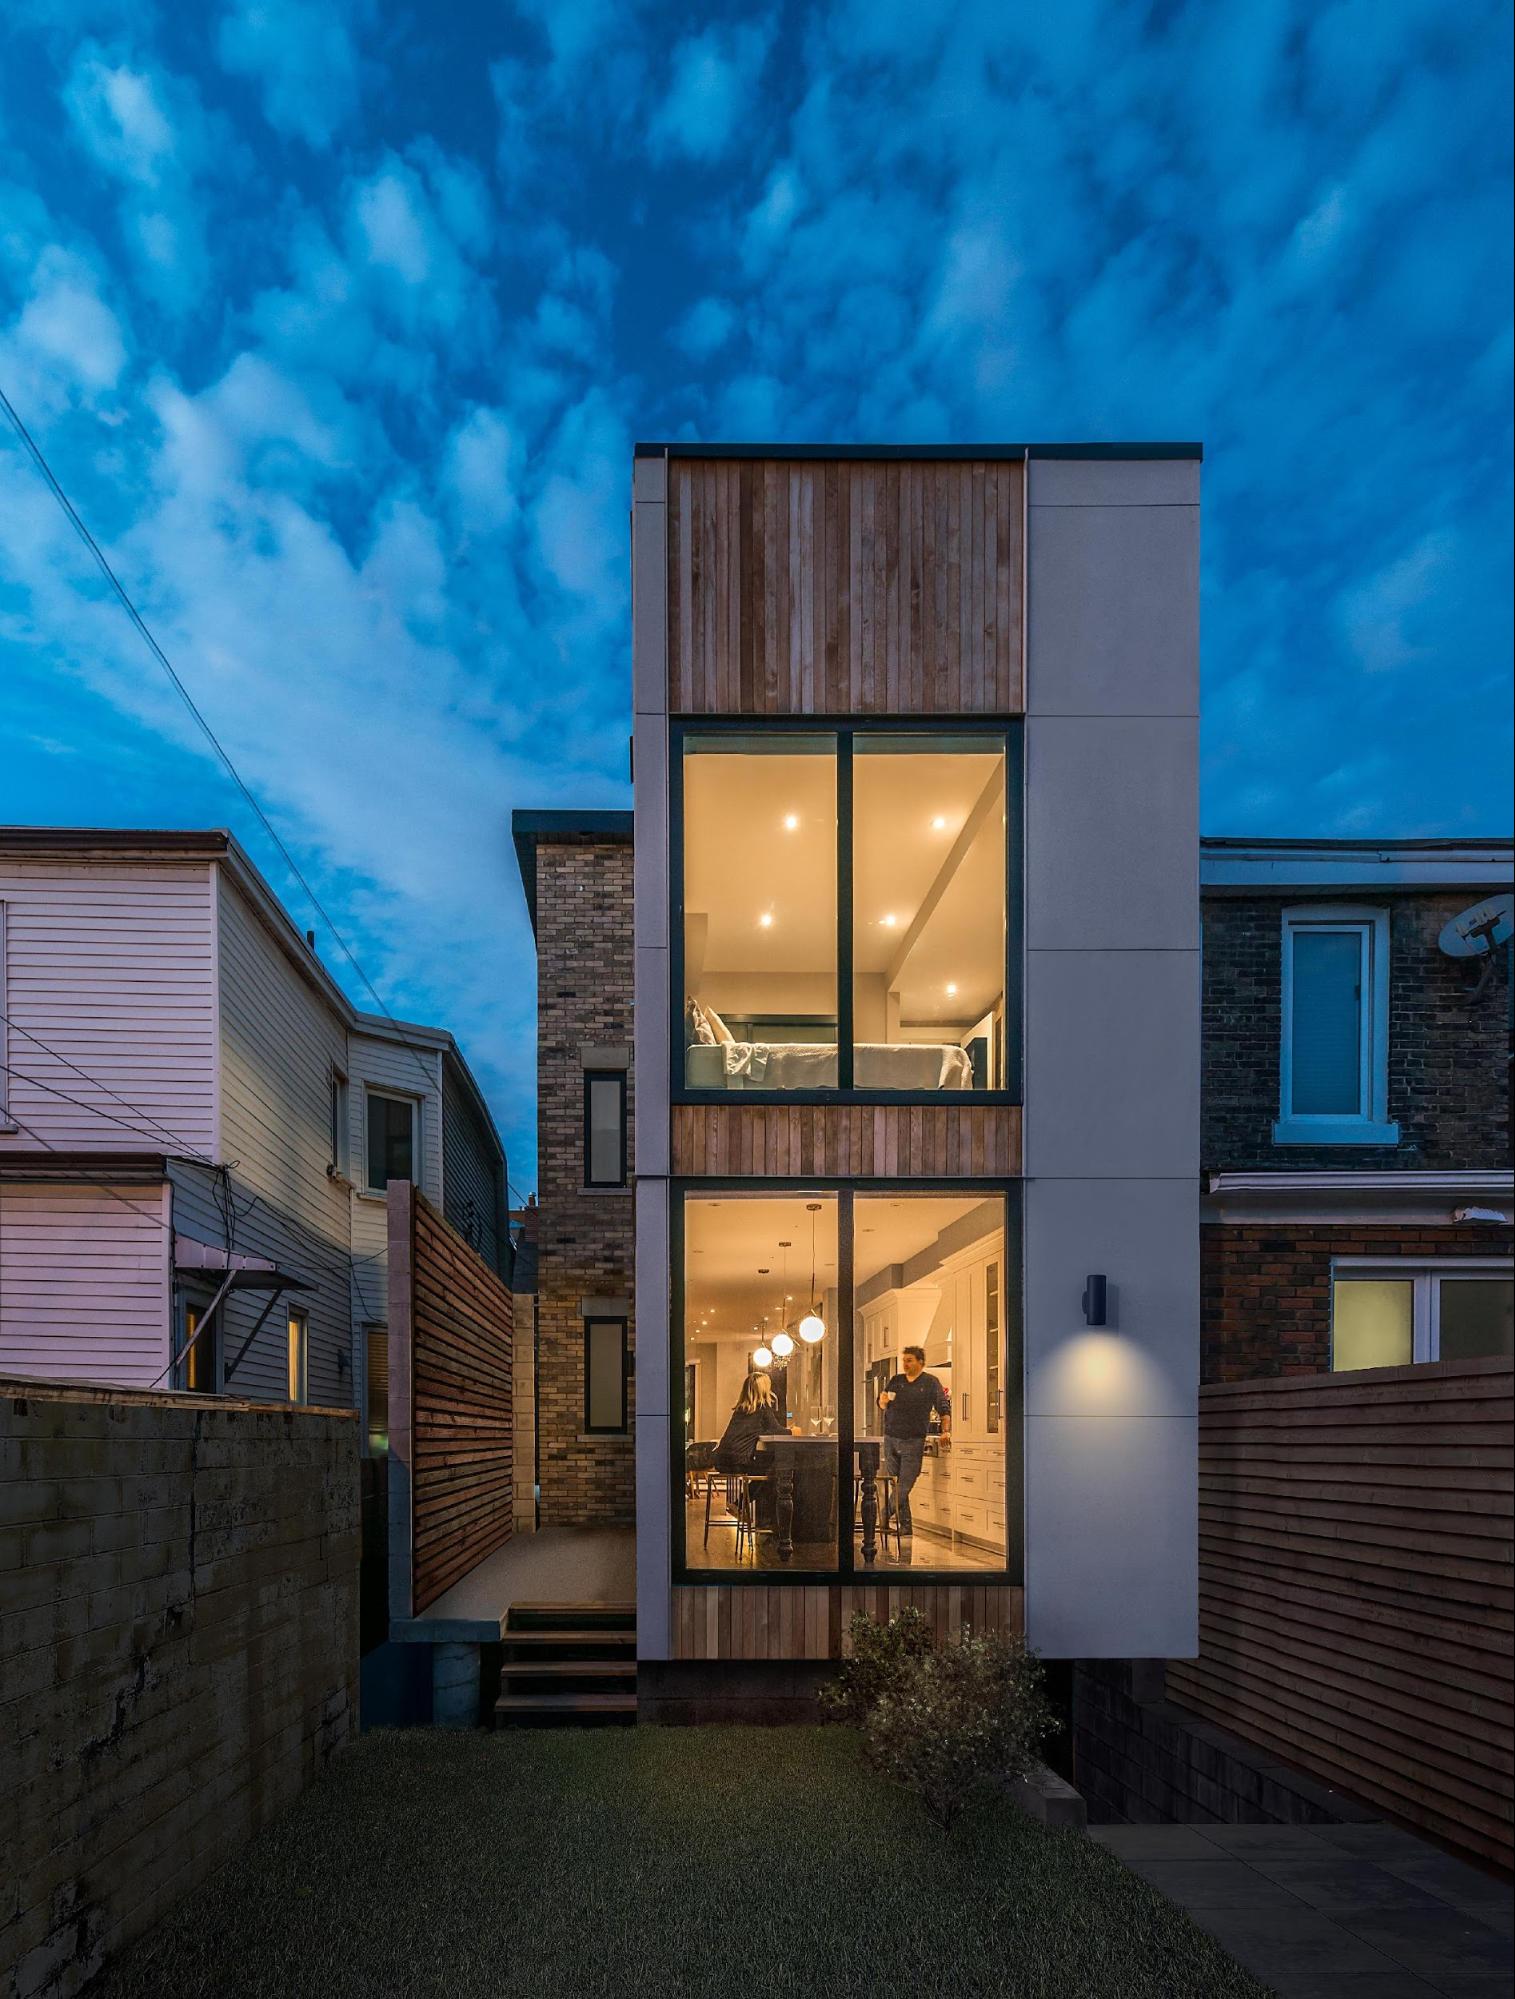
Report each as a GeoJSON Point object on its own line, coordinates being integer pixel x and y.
{"type": "Point", "coordinates": [451, 1353]}
{"type": "Point", "coordinates": [721, 1621]}
{"type": "Point", "coordinates": [845, 587]}
{"type": "Point", "coordinates": [1355, 1586]}
{"type": "Point", "coordinates": [849, 1141]}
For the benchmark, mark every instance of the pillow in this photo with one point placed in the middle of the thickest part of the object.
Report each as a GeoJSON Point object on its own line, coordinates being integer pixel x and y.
{"type": "Point", "coordinates": [718, 1027]}
{"type": "Point", "coordinates": [698, 1031]}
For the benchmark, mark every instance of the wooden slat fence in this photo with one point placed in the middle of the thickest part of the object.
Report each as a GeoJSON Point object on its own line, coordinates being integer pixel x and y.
{"type": "Point", "coordinates": [845, 587]}
{"type": "Point", "coordinates": [451, 1335]}
{"type": "Point", "coordinates": [1355, 1586]}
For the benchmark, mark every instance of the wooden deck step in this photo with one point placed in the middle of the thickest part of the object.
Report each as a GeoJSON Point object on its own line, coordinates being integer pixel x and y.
{"type": "Point", "coordinates": [607, 1639]}
{"type": "Point", "coordinates": [571, 1617]}
{"type": "Point", "coordinates": [570, 1669]}
{"type": "Point", "coordinates": [528, 1708]}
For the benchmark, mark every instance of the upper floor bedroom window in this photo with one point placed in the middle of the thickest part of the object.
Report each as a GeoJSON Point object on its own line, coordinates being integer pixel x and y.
{"type": "Point", "coordinates": [843, 911]}
{"type": "Point", "coordinates": [1334, 1052]}
{"type": "Point", "coordinates": [391, 1148]}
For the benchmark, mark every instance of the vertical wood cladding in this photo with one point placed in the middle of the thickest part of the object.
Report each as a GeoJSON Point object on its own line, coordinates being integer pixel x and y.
{"type": "Point", "coordinates": [586, 1235]}
{"type": "Point", "coordinates": [1265, 1287]}
{"type": "Point", "coordinates": [1355, 1586]}
{"type": "Point", "coordinates": [719, 1621]}
{"type": "Point", "coordinates": [848, 1141]}
{"type": "Point", "coordinates": [845, 587]}
{"type": "Point", "coordinates": [462, 1446]}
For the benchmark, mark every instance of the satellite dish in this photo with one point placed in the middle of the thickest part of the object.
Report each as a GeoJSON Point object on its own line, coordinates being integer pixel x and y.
{"type": "Point", "coordinates": [1479, 931]}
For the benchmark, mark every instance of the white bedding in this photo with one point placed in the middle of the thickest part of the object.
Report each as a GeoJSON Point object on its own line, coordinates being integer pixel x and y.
{"type": "Point", "coordinates": [811, 1065]}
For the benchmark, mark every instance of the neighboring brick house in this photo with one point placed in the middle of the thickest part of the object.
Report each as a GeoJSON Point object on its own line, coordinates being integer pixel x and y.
{"type": "Point", "coordinates": [576, 868]}
{"type": "Point", "coordinates": [1356, 1154]}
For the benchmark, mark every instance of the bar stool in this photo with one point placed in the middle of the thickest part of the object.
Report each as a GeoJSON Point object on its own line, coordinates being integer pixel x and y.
{"type": "Point", "coordinates": [888, 1509]}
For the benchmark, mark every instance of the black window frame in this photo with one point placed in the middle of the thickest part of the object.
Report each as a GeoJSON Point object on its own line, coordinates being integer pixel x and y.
{"type": "Point", "coordinates": [412, 1104]}
{"type": "Point", "coordinates": [620, 1429]}
{"type": "Point", "coordinates": [618, 1077]}
{"type": "Point", "coordinates": [1003, 731]}
{"type": "Point", "coordinates": [850, 1568]}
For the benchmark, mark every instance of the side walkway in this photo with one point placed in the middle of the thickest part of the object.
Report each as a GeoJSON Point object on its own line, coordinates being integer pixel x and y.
{"type": "Point", "coordinates": [1332, 1911]}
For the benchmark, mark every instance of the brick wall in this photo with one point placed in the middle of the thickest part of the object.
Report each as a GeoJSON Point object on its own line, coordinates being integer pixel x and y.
{"type": "Point", "coordinates": [1265, 1288]}
{"type": "Point", "coordinates": [178, 1651]}
{"type": "Point", "coordinates": [1446, 1059]}
{"type": "Point", "coordinates": [585, 1241]}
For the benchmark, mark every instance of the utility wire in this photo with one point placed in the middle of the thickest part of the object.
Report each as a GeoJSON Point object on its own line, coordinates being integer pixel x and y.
{"type": "Point", "coordinates": [34, 450]}
{"type": "Point", "coordinates": [58, 1056]}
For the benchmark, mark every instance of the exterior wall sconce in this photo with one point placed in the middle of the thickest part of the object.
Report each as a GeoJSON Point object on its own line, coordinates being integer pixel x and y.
{"type": "Point", "coordinates": [1094, 1301]}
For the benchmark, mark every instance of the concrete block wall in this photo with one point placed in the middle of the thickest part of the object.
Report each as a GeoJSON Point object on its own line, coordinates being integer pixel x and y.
{"type": "Point", "coordinates": [585, 1234]}
{"type": "Point", "coordinates": [178, 1651]}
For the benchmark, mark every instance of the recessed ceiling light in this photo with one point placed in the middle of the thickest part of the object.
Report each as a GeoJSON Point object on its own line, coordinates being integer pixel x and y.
{"type": "Point", "coordinates": [889, 921]}
{"type": "Point", "coordinates": [951, 991]}
{"type": "Point", "coordinates": [791, 822]}
{"type": "Point", "coordinates": [939, 823]}
{"type": "Point", "coordinates": [765, 921]}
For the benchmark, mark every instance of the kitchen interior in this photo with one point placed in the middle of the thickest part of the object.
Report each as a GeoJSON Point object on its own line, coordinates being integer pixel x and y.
{"type": "Point", "coordinates": [763, 1295]}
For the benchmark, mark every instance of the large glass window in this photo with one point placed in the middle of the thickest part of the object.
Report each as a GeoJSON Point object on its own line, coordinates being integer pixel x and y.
{"type": "Point", "coordinates": [845, 912]}
{"type": "Point", "coordinates": [928, 913]}
{"type": "Point", "coordinates": [1403, 1312]}
{"type": "Point", "coordinates": [927, 1347]}
{"type": "Point", "coordinates": [846, 1363]}
{"type": "Point", "coordinates": [760, 912]}
{"type": "Point", "coordinates": [761, 1346]}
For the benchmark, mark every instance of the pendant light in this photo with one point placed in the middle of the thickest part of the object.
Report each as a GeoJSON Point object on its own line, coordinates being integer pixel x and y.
{"type": "Point", "coordinates": [782, 1341]}
{"type": "Point", "coordinates": [762, 1359]}
{"type": "Point", "coordinates": [813, 1326]}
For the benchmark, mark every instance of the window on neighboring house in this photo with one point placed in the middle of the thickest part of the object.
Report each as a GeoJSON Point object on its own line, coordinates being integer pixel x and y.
{"type": "Point", "coordinates": [1334, 1052]}
{"type": "Point", "coordinates": [843, 910]}
{"type": "Point", "coordinates": [605, 1128]}
{"type": "Point", "coordinates": [199, 1369]}
{"type": "Point", "coordinates": [1391, 1314]}
{"type": "Point", "coordinates": [340, 1148]}
{"type": "Point", "coordinates": [376, 1348]}
{"type": "Point", "coordinates": [299, 1355]}
{"type": "Point", "coordinates": [391, 1140]}
{"type": "Point", "coordinates": [605, 1376]}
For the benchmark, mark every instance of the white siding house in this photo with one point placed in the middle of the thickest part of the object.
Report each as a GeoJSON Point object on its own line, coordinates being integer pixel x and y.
{"type": "Point", "coordinates": [185, 1098]}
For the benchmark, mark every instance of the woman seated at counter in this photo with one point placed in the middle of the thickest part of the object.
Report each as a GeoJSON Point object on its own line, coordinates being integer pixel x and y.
{"type": "Point", "coordinates": [755, 1415]}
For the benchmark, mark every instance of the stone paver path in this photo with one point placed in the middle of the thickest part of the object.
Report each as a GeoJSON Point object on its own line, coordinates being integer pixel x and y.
{"type": "Point", "coordinates": [1335, 1911]}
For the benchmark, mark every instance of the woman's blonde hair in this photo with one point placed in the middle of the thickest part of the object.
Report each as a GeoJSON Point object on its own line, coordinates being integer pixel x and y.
{"type": "Point", "coordinates": [757, 1393]}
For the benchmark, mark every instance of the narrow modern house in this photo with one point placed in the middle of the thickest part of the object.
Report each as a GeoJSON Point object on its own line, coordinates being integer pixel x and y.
{"type": "Point", "coordinates": [197, 1129]}
{"type": "Point", "coordinates": [912, 1026]}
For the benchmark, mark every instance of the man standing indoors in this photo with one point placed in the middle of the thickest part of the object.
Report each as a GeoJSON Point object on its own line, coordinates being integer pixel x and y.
{"type": "Point", "coordinates": [909, 1400]}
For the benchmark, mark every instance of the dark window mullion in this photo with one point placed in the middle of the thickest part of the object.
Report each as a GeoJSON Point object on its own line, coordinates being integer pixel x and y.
{"type": "Point", "coordinates": [844, 910]}
{"type": "Point", "coordinates": [846, 1382]}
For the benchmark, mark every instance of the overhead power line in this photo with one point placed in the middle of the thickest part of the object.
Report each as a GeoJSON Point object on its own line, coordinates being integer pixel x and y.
{"type": "Point", "coordinates": [34, 451]}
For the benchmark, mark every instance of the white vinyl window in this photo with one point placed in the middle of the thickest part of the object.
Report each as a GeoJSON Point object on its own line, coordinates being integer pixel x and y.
{"type": "Point", "coordinates": [1333, 1067]}
{"type": "Point", "coordinates": [1393, 1314]}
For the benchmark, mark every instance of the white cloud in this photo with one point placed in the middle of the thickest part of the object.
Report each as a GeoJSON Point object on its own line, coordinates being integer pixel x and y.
{"type": "Point", "coordinates": [303, 58]}
{"type": "Point", "coordinates": [477, 470]}
{"type": "Point", "coordinates": [66, 325]}
{"type": "Point", "coordinates": [116, 113]}
{"type": "Point", "coordinates": [395, 227]}
{"type": "Point", "coordinates": [705, 328]}
{"type": "Point", "coordinates": [714, 77]}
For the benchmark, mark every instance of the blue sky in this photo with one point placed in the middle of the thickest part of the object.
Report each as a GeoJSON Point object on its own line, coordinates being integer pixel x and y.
{"type": "Point", "coordinates": [338, 323]}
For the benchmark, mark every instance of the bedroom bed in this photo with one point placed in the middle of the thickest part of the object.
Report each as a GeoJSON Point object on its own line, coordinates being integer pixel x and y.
{"type": "Point", "coordinates": [812, 1065]}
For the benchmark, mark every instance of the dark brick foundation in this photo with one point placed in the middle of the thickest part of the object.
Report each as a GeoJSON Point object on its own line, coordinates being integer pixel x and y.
{"type": "Point", "coordinates": [683, 1693]}
{"type": "Point", "coordinates": [1140, 1759]}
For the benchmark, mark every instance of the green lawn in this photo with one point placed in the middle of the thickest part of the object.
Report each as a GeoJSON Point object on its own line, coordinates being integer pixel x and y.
{"type": "Point", "coordinates": [711, 1862]}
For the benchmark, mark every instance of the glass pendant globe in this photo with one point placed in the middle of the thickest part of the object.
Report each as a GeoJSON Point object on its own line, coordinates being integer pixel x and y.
{"type": "Point", "coordinates": [783, 1346]}
{"type": "Point", "coordinates": [812, 1327]}
{"type": "Point", "coordinates": [761, 1357]}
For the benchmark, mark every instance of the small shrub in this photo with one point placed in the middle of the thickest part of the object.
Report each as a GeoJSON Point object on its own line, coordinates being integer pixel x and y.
{"type": "Point", "coordinates": [880, 1659]}
{"type": "Point", "coordinates": [957, 1720]}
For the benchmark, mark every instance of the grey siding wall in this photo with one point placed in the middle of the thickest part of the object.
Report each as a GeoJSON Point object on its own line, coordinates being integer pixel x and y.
{"type": "Point", "coordinates": [280, 1043]}
{"type": "Point", "coordinates": [111, 966]}
{"type": "Point", "coordinates": [84, 1282]}
{"type": "Point", "coordinates": [1112, 1056]}
{"type": "Point", "coordinates": [473, 1175]}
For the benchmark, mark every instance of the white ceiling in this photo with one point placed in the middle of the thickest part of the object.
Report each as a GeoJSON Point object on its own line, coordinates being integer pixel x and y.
{"type": "Point", "coordinates": [760, 843]}
{"type": "Point", "coordinates": [729, 1238]}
